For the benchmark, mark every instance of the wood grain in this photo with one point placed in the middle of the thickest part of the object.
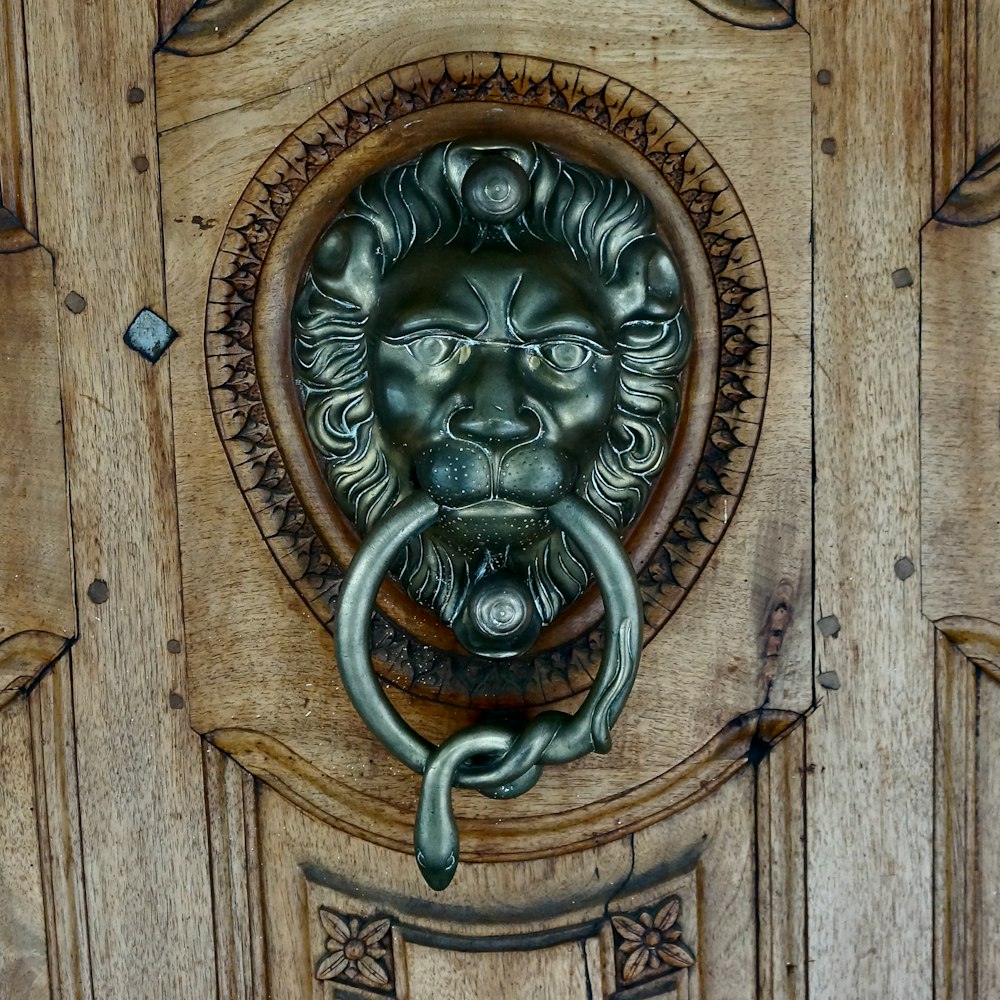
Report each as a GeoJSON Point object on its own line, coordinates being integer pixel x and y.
{"type": "Point", "coordinates": [37, 609]}
{"type": "Point", "coordinates": [955, 832]}
{"type": "Point", "coordinates": [216, 25]}
{"type": "Point", "coordinates": [138, 764]}
{"type": "Point", "coordinates": [171, 12]}
{"type": "Point", "coordinates": [763, 14]}
{"type": "Point", "coordinates": [24, 973]}
{"type": "Point", "coordinates": [780, 855]}
{"type": "Point", "coordinates": [966, 104]}
{"type": "Point", "coordinates": [960, 405]}
{"type": "Point", "coordinates": [987, 940]}
{"type": "Point", "coordinates": [53, 746]}
{"type": "Point", "coordinates": [869, 812]}
{"type": "Point", "coordinates": [231, 798]}
{"type": "Point", "coordinates": [555, 973]}
{"type": "Point", "coordinates": [966, 855]}
{"type": "Point", "coordinates": [17, 182]}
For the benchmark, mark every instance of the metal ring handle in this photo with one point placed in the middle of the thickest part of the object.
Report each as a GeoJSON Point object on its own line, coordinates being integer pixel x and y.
{"type": "Point", "coordinates": [513, 759]}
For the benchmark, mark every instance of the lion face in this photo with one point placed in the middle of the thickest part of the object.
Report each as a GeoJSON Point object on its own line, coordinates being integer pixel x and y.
{"type": "Point", "coordinates": [493, 378]}
{"type": "Point", "coordinates": [498, 328]}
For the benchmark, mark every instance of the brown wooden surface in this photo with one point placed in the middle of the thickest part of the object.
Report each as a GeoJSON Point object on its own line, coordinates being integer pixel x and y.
{"type": "Point", "coordinates": [37, 611]}
{"type": "Point", "coordinates": [23, 964]}
{"type": "Point", "coordinates": [870, 808]}
{"type": "Point", "coordinates": [138, 766]}
{"type": "Point", "coordinates": [959, 408]}
{"type": "Point", "coordinates": [856, 859]}
{"type": "Point", "coordinates": [17, 183]}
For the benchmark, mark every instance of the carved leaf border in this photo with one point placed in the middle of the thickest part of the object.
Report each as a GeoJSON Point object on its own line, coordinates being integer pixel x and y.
{"type": "Point", "coordinates": [744, 350]}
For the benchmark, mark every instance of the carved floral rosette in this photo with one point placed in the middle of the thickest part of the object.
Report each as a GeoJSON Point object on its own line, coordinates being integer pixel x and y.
{"type": "Point", "coordinates": [743, 341]}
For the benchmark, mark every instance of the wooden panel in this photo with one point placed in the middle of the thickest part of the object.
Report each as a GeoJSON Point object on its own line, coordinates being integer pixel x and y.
{"type": "Point", "coordinates": [966, 110]}
{"type": "Point", "coordinates": [955, 832]}
{"type": "Point", "coordinates": [967, 796]}
{"type": "Point", "coordinates": [528, 929]}
{"type": "Point", "coordinates": [23, 967]}
{"type": "Point", "coordinates": [781, 966]}
{"type": "Point", "coordinates": [960, 401]}
{"type": "Point", "coordinates": [37, 612]}
{"type": "Point", "coordinates": [53, 747]}
{"type": "Point", "coordinates": [555, 973]}
{"type": "Point", "coordinates": [987, 871]}
{"type": "Point", "coordinates": [725, 670]}
{"type": "Point", "coordinates": [17, 183]}
{"type": "Point", "coordinates": [139, 768]}
{"type": "Point", "coordinates": [231, 797]}
{"type": "Point", "coordinates": [987, 99]}
{"type": "Point", "coordinates": [869, 814]}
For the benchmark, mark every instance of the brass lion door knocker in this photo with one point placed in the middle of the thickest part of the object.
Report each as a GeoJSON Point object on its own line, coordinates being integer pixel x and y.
{"type": "Point", "coordinates": [489, 343]}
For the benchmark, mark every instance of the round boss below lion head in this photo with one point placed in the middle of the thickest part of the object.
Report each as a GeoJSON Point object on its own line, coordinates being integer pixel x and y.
{"type": "Point", "coordinates": [497, 327]}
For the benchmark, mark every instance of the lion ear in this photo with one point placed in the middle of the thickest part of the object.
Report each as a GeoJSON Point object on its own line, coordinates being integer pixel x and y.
{"type": "Point", "coordinates": [347, 264]}
{"type": "Point", "coordinates": [646, 286]}
{"type": "Point", "coordinates": [663, 281]}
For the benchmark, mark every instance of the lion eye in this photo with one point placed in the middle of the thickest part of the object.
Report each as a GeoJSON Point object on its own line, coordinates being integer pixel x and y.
{"type": "Point", "coordinates": [565, 355]}
{"type": "Point", "coordinates": [433, 348]}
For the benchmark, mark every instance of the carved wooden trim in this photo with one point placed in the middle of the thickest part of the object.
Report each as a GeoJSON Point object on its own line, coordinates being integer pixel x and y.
{"type": "Point", "coordinates": [634, 945]}
{"type": "Point", "coordinates": [24, 656]}
{"type": "Point", "coordinates": [976, 199]}
{"type": "Point", "coordinates": [649, 946]}
{"type": "Point", "coordinates": [287, 498]}
{"type": "Point", "coordinates": [231, 800]}
{"type": "Point", "coordinates": [976, 638]}
{"type": "Point", "coordinates": [13, 236]}
{"type": "Point", "coordinates": [781, 869]}
{"type": "Point", "coordinates": [214, 25]}
{"type": "Point", "coordinates": [349, 809]}
{"type": "Point", "coordinates": [60, 852]}
{"type": "Point", "coordinates": [965, 34]}
{"type": "Point", "coordinates": [358, 952]}
{"type": "Point", "coordinates": [767, 15]}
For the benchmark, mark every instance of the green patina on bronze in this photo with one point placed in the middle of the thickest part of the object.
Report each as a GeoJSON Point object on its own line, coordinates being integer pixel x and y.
{"type": "Point", "coordinates": [496, 335]}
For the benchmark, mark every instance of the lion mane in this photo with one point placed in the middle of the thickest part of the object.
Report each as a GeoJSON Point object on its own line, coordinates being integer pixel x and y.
{"type": "Point", "coordinates": [605, 223]}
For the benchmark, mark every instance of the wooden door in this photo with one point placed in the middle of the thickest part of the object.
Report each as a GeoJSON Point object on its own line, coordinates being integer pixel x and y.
{"type": "Point", "coordinates": [798, 798]}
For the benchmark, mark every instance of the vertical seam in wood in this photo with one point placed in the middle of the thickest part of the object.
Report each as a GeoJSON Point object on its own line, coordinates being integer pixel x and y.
{"type": "Point", "coordinates": [44, 857]}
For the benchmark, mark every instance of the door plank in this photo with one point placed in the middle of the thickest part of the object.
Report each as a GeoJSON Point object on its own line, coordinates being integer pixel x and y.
{"type": "Point", "coordinates": [37, 609]}
{"type": "Point", "coordinates": [959, 406]}
{"type": "Point", "coordinates": [869, 813]}
{"type": "Point", "coordinates": [954, 823]}
{"type": "Point", "coordinates": [17, 183]}
{"type": "Point", "coordinates": [60, 850]}
{"type": "Point", "coordinates": [780, 813]}
{"type": "Point", "coordinates": [988, 856]}
{"type": "Point", "coordinates": [23, 968]}
{"type": "Point", "coordinates": [140, 780]}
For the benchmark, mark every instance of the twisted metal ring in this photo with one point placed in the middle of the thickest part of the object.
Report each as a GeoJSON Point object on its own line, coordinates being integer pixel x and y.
{"type": "Point", "coordinates": [507, 761]}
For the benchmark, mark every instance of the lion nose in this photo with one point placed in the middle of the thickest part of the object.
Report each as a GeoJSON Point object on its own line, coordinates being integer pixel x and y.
{"type": "Point", "coordinates": [495, 409]}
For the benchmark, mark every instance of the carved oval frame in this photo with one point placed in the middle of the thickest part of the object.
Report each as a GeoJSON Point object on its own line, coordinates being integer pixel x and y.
{"type": "Point", "coordinates": [264, 252]}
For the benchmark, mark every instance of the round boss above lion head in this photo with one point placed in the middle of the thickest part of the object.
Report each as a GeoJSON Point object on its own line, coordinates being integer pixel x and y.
{"type": "Point", "coordinates": [497, 327]}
